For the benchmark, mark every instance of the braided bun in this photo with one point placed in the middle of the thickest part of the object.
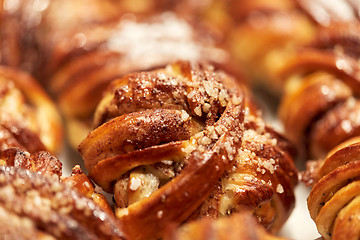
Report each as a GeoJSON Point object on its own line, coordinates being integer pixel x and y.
{"type": "Point", "coordinates": [163, 140]}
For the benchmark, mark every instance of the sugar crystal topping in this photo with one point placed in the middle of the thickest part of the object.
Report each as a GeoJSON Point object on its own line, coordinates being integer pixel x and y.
{"type": "Point", "coordinates": [163, 39]}
{"type": "Point", "coordinates": [48, 200]}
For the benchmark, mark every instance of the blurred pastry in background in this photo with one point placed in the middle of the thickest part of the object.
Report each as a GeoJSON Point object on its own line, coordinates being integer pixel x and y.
{"type": "Point", "coordinates": [29, 119]}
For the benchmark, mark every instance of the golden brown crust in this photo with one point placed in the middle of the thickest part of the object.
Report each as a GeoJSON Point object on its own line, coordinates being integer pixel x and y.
{"type": "Point", "coordinates": [171, 196]}
{"type": "Point", "coordinates": [136, 131]}
{"type": "Point", "coordinates": [176, 200]}
{"type": "Point", "coordinates": [174, 175]}
{"type": "Point", "coordinates": [79, 181]}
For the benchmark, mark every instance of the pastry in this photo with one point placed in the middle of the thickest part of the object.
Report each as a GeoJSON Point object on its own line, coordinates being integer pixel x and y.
{"type": "Point", "coordinates": [43, 162]}
{"type": "Point", "coordinates": [186, 142]}
{"type": "Point", "coordinates": [334, 200]}
{"type": "Point", "coordinates": [320, 105]}
{"type": "Point", "coordinates": [38, 206]}
{"type": "Point", "coordinates": [28, 117]}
